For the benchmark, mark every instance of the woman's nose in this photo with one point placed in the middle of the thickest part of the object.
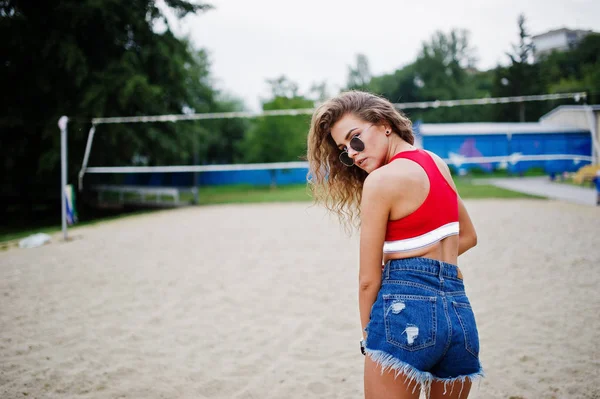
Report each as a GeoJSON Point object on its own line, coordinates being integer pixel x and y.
{"type": "Point", "coordinates": [351, 152]}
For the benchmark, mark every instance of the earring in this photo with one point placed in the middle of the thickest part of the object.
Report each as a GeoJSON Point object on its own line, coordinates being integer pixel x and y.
{"type": "Point", "coordinates": [387, 132]}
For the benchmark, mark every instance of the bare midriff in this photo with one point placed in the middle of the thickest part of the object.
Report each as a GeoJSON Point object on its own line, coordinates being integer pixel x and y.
{"type": "Point", "coordinates": [445, 250]}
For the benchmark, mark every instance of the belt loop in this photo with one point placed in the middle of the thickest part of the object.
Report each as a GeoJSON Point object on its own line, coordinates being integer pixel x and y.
{"type": "Point", "coordinates": [387, 269]}
{"type": "Point", "coordinates": [441, 265]}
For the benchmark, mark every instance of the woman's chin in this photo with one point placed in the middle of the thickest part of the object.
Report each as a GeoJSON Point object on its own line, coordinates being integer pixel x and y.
{"type": "Point", "coordinates": [367, 165]}
{"type": "Point", "coordinates": [364, 165]}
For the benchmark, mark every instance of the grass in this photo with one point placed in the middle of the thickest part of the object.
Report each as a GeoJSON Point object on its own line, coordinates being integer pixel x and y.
{"type": "Point", "coordinates": [252, 194]}
{"type": "Point", "coordinates": [7, 235]}
{"type": "Point", "coordinates": [468, 190]}
{"type": "Point", "coordinates": [244, 194]}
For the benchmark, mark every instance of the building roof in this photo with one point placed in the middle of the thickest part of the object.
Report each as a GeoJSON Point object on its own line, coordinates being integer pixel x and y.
{"type": "Point", "coordinates": [560, 30]}
{"type": "Point", "coordinates": [478, 128]}
{"type": "Point", "coordinates": [562, 108]}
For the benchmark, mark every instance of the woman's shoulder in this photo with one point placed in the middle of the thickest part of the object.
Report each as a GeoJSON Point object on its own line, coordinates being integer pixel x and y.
{"type": "Point", "coordinates": [390, 178]}
{"type": "Point", "coordinates": [443, 167]}
{"type": "Point", "coordinates": [438, 160]}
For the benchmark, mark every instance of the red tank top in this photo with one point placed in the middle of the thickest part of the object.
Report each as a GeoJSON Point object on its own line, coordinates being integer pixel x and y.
{"type": "Point", "coordinates": [434, 220]}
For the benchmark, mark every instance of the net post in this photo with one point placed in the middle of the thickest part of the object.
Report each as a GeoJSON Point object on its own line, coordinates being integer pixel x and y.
{"type": "Point", "coordinates": [195, 174]}
{"type": "Point", "coordinates": [62, 124]}
{"type": "Point", "coordinates": [593, 124]}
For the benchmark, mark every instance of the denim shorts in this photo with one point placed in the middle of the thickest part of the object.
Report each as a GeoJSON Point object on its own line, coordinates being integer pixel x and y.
{"type": "Point", "coordinates": [422, 325]}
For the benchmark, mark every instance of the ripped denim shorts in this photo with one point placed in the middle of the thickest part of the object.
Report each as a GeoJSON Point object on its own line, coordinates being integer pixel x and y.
{"type": "Point", "coordinates": [422, 325]}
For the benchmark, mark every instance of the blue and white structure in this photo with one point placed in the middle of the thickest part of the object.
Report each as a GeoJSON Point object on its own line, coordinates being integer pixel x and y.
{"type": "Point", "coordinates": [513, 146]}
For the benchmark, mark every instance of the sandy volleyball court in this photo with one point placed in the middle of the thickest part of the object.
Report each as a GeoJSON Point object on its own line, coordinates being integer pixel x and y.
{"type": "Point", "coordinates": [259, 301]}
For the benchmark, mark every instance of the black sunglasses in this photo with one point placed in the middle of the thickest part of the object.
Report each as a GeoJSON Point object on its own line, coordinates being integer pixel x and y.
{"type": "Point", "coordinates": [357, 145]}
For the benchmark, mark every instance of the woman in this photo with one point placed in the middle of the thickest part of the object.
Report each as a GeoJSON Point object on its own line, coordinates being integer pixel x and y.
{"type": "Point", "coordinates": [419, 331]}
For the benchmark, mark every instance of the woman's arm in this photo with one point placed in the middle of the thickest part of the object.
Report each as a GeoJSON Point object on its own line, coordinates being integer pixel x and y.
{"type": "Point", "coordinates": [375, 208]}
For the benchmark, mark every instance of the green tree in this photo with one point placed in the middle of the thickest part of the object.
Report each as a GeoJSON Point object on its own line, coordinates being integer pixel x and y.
{"type": "Point", "coordinates": [85, 58]}
{"type": "Point", "coordinates": [403, 85]}
{"type": "Point", "coordinates": [225, 134]}
{"type": "Point", "coordinates": [319, 91]}
{"type": "Point", "coordinates": [520, 78]}
{"type": "Point", "coordinates": [444, 70]}
{"type": "Point", "coordinates": [278, 138]}
{"type": "Point", "coordinates": [359, 75]}
{"type": "Point", "coordinates": [575, 70]}
{"type": "Point", "coordinates": [444, 61]}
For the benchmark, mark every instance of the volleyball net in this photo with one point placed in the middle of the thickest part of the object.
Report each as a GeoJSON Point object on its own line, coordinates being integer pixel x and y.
{"type": "Point", "coordinates": [457, 161]}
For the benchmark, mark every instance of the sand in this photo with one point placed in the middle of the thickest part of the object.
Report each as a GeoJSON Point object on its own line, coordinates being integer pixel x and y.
{"type": "Point", "coordinates": [259, 301]}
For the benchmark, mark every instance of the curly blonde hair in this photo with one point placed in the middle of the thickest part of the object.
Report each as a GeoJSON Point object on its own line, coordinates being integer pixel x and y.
{"type": "Point", "coordinates": [334, 185]}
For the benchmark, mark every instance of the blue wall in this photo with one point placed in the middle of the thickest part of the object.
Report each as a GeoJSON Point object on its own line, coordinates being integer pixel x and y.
{"type": "Point", "coordinates": [526, 144]}
{"type": "Point", "coordinates": [481, 145]}
{"type": "Point", "coordinates": [254, 177]}
{"type": "Point", "coordinates": [558, 143]}
{"type": "Point", "coordinates": [250, 177]}
{"type": "Point", "coordinates": [488, 145]}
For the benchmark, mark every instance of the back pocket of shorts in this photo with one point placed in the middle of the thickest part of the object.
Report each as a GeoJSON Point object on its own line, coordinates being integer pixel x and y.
{"type": "Point", "coordinates": [467, 322]}
{"type": "Point", "coordinates": [410, 321]}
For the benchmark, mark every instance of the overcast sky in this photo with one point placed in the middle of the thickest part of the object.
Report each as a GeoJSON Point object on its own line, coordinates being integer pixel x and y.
{"type": "Point", "coordinates": [310, 41]}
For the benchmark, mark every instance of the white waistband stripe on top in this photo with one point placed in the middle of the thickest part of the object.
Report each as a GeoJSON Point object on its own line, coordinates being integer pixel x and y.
{"type": "Point", "coordinates": [423, 240]}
